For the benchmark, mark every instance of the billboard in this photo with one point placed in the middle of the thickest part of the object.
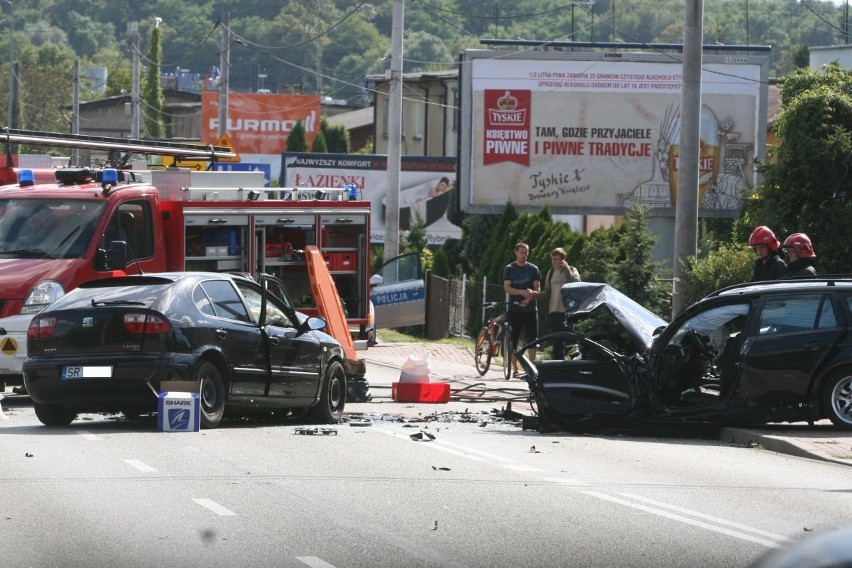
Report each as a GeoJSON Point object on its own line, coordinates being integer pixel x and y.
{"type": "Point", "coordinates": [427, 187]}
{"type": "Point", "coordinates": [259, 123]}
{"type": "Point", "coordinates": [594, 133]}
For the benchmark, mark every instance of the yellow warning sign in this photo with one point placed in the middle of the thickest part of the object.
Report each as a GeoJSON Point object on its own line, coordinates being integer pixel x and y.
{"type": "Point", "coordinates": [194, 165]}
{"type": "Point", "coordinates": [9, 346]}
{"type": "Point", "coordinates": [225, 141]}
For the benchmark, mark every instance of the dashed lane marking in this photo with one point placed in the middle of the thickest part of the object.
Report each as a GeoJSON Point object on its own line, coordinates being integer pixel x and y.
{"type": "Point", "coordinates": [314, 562]}
{"type": "Point", "coordinates": [88, 435]}
{"type": "Point", "coordinates": [215, 507]}
{"type": "Point", "coordinates": [141, 466]}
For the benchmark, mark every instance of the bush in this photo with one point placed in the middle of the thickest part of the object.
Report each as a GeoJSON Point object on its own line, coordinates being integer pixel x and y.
{"type": "Point", "coordinates": [730, 264]}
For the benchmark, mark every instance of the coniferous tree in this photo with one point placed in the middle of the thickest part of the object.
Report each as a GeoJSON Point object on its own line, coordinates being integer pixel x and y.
{"type": "Point", "coordinates": [319, 146]}
{"type": "Point", "coordinates": [152, 92]}
{"type": "Point", "coordinates": [297, 140]}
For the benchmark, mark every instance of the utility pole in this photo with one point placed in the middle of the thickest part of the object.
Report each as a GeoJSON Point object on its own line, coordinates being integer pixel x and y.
{"type": "Point", "coordinates": [224, 73]}
{"type": "Point", "coordinates": [11, 117]}
{"type": "Point", "coordinates": [75, 114]}
{"type": "Point", "coordinates": [391, 246]}
{"type": "Point", "coordinates": [572, 20]}
{"type": "Point", "coordinates": [686, 209]}
{"type": "Point", "coordinates": [133, 31]}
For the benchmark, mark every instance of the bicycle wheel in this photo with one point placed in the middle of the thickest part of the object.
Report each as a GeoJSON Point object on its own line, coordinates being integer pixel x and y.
{"type": "Point", "coordinates": [506, 348]}
{"type": "Point", "coordinates": [482, 353]}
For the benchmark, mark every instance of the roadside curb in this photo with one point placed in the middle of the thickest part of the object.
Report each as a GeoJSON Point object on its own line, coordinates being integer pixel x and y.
{"type": "Point", "coordinates": [825, 449]}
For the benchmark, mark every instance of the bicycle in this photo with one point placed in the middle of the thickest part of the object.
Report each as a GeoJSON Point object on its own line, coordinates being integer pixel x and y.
{"type": "Point", "coordinates": [494, 340]}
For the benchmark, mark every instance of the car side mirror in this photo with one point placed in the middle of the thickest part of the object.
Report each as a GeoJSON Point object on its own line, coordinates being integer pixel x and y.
{"type": "Point", "coordinates": [113, 258]}
{"type": "Point", "coordinates": [376, 279]}
{"type": "Point", "coordinates": [658, 331]}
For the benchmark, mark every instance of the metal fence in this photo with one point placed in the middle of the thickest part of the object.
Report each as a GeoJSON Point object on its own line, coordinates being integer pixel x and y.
{"type": "Point", "coordinates": [456, 305]}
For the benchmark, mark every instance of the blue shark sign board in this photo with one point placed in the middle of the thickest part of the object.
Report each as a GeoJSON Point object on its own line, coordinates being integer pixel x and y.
{"type": "Point", "coordinates": [178, 412]}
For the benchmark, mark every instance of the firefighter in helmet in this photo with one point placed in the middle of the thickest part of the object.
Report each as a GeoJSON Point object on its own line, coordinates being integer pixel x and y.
{"type": "Point", "coordinates": [800, 255]}
{"type": "Point", "coordinates": [769, 264]}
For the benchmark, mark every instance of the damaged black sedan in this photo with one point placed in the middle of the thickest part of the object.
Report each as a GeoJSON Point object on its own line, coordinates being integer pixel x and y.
{"type": "Point", "coordinates": [114, 344]}
{"type": "Point", "coordinates": [753, 353]}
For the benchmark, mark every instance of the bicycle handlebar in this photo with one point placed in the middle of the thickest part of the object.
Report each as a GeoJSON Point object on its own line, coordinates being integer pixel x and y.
{"type": "Point", "coordinates": [495, 304]}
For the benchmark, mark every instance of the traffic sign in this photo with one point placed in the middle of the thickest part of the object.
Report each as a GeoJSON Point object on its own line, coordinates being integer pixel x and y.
{"type": "Point", "coordinates": [247, 167]}
{"type": "Point", "coordinates": [225, 141]}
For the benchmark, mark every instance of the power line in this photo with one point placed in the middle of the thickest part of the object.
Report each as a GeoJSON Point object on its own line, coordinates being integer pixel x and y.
{"type": "Point", "coordinates": [307, 41]}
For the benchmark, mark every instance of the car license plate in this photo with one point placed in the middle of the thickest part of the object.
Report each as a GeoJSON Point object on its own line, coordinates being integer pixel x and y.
{"type": "Point", "coordinates": [72, 373]}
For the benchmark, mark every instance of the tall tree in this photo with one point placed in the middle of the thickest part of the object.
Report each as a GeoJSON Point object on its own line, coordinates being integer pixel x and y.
{"type": "Point", "coordinates": [807, 188]}
{"type": "Point", "coordinates": [152, 92]}
{"type": "Point", "coordinates": [297, 140]}
{"type": "Point", "coordinates": [319, 146]}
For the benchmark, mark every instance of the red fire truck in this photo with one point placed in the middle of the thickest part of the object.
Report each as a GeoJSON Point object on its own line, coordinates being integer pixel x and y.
{"type": "Point", "coordinates": [92, 223]}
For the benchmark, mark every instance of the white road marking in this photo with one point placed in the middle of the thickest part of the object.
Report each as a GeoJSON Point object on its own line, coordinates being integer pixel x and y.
{"type": "Point", "coordinates": [88, 435]}
{"type": "Point", "coordinates": [519, 467]}
{"type": "Point", "coordinates": [682, 519]}
{"type": "Point", "coordinates": [732, 524]}
{"type": "Point", "coordinates": [565, 481]}
{"type": "Point", "coordinates": [215, 507]}
{"type": "Point", "coordinates": [314, 562]}
{"type": "Point", "coordinates": [471, 450]}
{"type": "Point", "coordinates": [141, 466]}
{"type": "Point", "coordinates": [432, 445]}
{"type": "Point", "coordinates": [722, 526]}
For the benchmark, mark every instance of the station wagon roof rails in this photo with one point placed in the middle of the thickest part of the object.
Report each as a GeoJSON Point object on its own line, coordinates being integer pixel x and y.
{"type": "Point", "coordinates": [127, 145]}
{"type": "Point", "coordinates": [827, 280]}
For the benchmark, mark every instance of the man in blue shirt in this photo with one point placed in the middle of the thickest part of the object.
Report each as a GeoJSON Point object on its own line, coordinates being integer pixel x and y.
{"type": "Point", "coordinates": [522, 282]}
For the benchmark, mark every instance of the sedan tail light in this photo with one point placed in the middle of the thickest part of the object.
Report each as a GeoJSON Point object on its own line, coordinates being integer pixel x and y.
{"type": "Point", "coordinates": [41, 327]}
{"type": "Point", "coordinates": [146, 323]}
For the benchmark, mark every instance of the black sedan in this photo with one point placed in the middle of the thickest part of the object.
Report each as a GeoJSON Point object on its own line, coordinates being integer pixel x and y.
{"type": "Point", "coordinates": [114, 344]}
{"type": "Point", "coordinates": [754, 353]}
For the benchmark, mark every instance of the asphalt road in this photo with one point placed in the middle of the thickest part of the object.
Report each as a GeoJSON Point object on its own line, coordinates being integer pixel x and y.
{"type": "Point", "coordinates": [386, 490]}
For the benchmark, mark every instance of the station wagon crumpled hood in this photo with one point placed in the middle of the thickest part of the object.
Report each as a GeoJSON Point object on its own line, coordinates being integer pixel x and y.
{"type": "Point", "coordinates": [581, 298]}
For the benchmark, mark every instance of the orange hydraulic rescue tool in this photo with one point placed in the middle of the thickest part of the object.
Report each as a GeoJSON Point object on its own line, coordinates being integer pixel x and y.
{"type": "Point", "coordinates": [330, 308]}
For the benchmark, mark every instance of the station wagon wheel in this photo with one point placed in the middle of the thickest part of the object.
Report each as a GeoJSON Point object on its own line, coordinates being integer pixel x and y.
{"type": "Point", "coordinates": [482, 353]}
{"type": "Point", "coordinates": [329, 409]}
{"type": "Point", "coordinates": [837, 399]}
{"type": "Point", "coordinates": [52, 415]}
{"type": "Point", "coordinates": [212, 393]}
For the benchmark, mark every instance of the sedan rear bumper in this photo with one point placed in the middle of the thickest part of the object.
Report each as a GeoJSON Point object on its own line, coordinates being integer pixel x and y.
{"type": "Point", "coordinates": [126, 384]}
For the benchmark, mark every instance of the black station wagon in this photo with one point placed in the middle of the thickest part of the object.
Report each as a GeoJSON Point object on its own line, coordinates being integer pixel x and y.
{"type": "Point", "coordinates": [754, 353]}
{"type": "Point", "coordinates": [113, 345]}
